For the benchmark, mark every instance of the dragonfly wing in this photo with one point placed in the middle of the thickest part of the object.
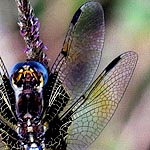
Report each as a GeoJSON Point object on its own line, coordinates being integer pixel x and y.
{"type": "Point", "coordinates": [9, 138]}
{"type": "Point", "coordinates": [97, 106]}
{"type": "Point", "coordinates": [7, 97]}
{"type": "Point", "coordinates": [8, 119]}
{"type": "Point", "coordinates": [80, 56]}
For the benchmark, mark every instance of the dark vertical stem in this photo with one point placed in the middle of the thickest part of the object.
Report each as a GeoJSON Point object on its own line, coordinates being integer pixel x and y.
{"type": "Point", "coordinates": [29, 30]}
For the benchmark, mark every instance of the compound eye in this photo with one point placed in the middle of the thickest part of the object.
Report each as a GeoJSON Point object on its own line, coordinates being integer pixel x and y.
{"type": "Point", "coordinates": [41, 70]}
{"type": "Point", "coordinates": [29, 73]}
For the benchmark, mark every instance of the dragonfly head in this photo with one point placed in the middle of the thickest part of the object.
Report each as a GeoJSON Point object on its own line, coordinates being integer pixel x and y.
{"type": "Point", "coordinates": [29, 75]}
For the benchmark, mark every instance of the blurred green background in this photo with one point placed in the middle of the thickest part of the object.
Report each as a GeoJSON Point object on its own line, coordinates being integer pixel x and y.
{"type": "Point", "coordinates": [127, 28]}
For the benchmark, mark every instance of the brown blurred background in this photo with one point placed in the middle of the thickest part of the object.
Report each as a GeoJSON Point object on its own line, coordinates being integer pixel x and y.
{"type": "Point", "coordinates": [127, 28]}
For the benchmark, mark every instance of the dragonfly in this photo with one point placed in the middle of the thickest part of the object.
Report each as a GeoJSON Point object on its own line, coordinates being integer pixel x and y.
{"type": "Point", "coordinates": [61, 107]}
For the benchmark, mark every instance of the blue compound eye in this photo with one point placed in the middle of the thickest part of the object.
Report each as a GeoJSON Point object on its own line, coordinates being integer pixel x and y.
{"type": "Point", "coordinates": [40, 68]}
{"type": "Point", "coordinates": [30, 69]}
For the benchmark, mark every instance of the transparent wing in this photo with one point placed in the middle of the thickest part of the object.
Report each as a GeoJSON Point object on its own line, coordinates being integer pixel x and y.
{"type": "Point", "coordinates": [78, 61]}
{"type": "Point", "coordinates": [7, 97]}
{"type": "Point", "coordinates": [8, 119]}
{"type": "Point", "coordinates": [9, 138]}
{"type": "Point", "coordinates": [92, 112]}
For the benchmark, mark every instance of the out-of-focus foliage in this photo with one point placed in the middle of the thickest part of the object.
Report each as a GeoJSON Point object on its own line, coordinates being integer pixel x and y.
{"type": "Point", "coordinates": [135, 13]}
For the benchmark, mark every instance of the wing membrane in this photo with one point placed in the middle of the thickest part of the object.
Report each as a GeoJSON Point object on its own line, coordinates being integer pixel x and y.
{"type": "Point", "coordinates": [8, 119]}
{"type": "Point", "coordinates": [96, 107]}
{"type": "Point", "coordinates": [78, 61]}
{"type": "Point", "coordinates": [9, 138]}
{"type": "Point", "coordinates": [7, 98]}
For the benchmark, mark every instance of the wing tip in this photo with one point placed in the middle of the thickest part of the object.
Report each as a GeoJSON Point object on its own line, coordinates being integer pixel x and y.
{"type": "Point", "coordinates": [130, 53]}
{"type": "Point", "coordinates": [132, 56]}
